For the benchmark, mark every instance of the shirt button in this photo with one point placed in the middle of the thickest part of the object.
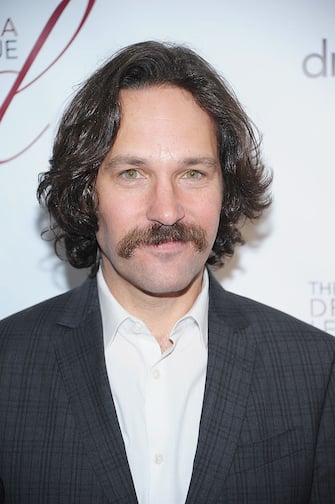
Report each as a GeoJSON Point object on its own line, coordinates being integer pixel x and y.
{"type": "Point", "coordinates": [137, 329]}
{"type": "Point", "coordinates": [158, 458]}
{"type": "Point", "coordinates": [156, 374]}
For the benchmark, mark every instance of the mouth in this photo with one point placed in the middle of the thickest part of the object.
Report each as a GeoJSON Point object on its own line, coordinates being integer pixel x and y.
{"type": "Point", "coordinates": [162, 238]}
{"type": "Point", "coordinates": [166, 245]}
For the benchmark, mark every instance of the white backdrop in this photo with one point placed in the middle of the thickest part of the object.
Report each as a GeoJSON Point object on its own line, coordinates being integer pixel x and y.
{"type": "Point", "coordinates": [279, 58]}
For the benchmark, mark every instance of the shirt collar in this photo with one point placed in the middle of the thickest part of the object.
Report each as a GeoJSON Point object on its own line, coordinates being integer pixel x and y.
{"type": "Point", "coordinates": [113, 314]}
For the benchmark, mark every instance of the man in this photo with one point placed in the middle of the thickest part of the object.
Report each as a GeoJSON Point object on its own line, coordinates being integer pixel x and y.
{"type": "Point", "coordinates": [150, 383]}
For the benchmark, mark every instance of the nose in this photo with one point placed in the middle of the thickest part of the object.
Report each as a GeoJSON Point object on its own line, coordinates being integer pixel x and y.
{"type": "Point", "coordinates": [165, 204]}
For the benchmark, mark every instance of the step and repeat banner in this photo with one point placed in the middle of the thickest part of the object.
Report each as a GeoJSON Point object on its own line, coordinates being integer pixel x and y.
{"type": "Point", "coordinates": [280, 60]}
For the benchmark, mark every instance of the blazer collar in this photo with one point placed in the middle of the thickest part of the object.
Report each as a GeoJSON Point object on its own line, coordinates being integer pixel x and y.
{"type": "Point", "coordinates": [80, 354]}
{"type": "Point", "coordinates": [231, 354]}
{"type": "Point", "coordinates": [231, 358]}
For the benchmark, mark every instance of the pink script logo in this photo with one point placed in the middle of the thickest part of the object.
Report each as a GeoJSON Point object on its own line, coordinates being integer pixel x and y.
{"type": "Point", "coordinates": [16, 87]}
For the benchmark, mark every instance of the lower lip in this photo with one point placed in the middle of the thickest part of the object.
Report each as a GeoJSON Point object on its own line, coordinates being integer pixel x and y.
{"type": "Point", "coordinates": [172, 246]}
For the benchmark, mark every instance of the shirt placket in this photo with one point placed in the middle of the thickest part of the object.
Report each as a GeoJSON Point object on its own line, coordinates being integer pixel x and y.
{"type": "Point", "coordinates": [157, 418]}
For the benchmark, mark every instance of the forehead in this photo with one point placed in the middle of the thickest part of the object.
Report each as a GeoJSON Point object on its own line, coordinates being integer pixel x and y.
{"type": "Point", "coordinates": [159, 97]}
{"type": "Point", "coordinates": [167, 115]}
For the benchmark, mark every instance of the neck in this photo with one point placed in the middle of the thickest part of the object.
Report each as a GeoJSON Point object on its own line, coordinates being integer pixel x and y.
{"type": "Point", "coordinates": [158, 312]}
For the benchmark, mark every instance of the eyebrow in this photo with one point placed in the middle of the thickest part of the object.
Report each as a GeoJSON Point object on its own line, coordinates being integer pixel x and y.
{"type": "Point", "coordinates": [202, 160]}
{"type": "Point", "coordinates": [116, 161]}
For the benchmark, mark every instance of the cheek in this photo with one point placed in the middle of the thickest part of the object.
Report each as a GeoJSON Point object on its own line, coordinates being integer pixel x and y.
{"type": "Point", "coordinates": [114, 222]}
{"type": "Point", "coordinates": [210, 213]}
{"type": "Point", "coordinates": [212, 227]}
{"type": "Point", "coordinates": [107, 230]}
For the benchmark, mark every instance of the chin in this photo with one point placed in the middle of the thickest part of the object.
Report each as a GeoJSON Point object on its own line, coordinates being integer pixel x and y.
{"type": "Point", "coordinates": [168, 288]}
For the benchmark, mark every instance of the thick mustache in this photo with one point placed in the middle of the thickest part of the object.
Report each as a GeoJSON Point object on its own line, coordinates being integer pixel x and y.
{"type": "Point", "coordinates": [158, 234]}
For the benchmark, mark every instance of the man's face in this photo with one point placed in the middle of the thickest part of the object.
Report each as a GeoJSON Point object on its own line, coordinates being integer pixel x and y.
{"type": "Point", "coordinates": [162, 172]}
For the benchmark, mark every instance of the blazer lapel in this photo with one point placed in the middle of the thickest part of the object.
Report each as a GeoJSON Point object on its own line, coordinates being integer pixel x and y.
{"type": "Point", "coordinates": [229, 374]}
{"type": "Point", "coordinates": [80, 354]}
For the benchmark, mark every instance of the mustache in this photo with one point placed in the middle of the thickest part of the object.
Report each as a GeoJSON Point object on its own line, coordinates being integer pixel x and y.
{"type": "Point", "coordinates": [160, 233]}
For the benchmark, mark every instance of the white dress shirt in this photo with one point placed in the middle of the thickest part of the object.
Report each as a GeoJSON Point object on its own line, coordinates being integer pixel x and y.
{"type": "Point", "coordinates": [158, 397]}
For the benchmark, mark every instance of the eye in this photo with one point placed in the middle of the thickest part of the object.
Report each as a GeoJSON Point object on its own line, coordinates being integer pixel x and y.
{"type": "Point", "coordinates": [193, 175]}
{"type": "Point", "coordinates": [130, 174]}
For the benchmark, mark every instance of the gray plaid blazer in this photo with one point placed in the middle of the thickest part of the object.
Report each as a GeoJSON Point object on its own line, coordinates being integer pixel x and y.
{"type": "Point", "coordinates": [267, 432]}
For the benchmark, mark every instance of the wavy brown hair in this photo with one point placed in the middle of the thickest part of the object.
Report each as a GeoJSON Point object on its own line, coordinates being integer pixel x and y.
{"type": "Point", "coordinates": [91, 122]}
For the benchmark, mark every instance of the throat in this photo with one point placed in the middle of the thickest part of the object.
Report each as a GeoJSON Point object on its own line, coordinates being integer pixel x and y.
{"type": "Point", "coordinates": [165, 343]}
